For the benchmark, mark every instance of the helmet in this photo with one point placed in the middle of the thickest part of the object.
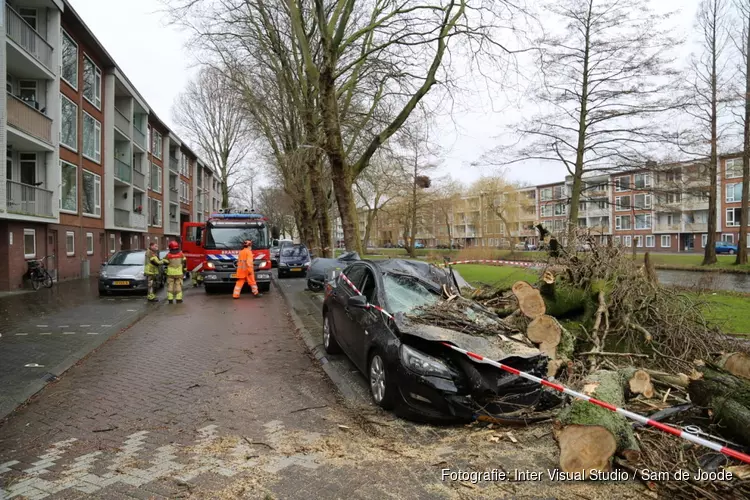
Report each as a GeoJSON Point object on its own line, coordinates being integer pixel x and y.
{"type": "Point", "coordinates": [248, 243]}
{"type": "Point", "coordinates": [173, 245]}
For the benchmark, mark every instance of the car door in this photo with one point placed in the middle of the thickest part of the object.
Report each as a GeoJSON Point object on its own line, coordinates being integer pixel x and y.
{"type": "Point", "coordinates": [342, 315]}
{"type": "Point", "coordinates": [360, 320]}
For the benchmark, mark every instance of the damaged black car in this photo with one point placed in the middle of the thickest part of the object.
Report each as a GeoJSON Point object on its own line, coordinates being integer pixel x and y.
{"type": "Point", "coordinates": [408, 367]}
{"type": "Point", "coordinates": [320, 269]}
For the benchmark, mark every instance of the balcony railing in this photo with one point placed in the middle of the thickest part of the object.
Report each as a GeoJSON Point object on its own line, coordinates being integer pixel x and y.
{"type": "Point", "coordinates": [174, 165]}
{"type": "Point", "coordinates": [139, 137]}
{"type": "Point", "coordinates": [28, 120]}
{"type": "Point", "coordinates": [667, 227]}
{"type": "Point", "coordinates": [29, 200]}
{"type": "Point", "coordinates": [122, 123]}
{"type": "Point", "coordinates": [174, 226]}
{"type": "Point", "coordinates": [123, 171]}
{"type": "Point", "coordinates": [27, 37]}
{"type": "Point", "coordinates": [125, 218]}
{"type": "Point", "coordinates": [696, 227]}
{"type": "Point", "coordinates": [139, 180]}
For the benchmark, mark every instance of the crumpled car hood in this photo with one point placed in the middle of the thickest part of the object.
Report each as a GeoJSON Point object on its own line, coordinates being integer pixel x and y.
{"type": "Point", "coordinates": [320, 267]}
{"type": "Point", "coordinates": [492, 347]}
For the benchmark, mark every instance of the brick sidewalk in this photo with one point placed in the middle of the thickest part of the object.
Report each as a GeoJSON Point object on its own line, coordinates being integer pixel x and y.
{"type": "Point", "coordinates": [217, 398]}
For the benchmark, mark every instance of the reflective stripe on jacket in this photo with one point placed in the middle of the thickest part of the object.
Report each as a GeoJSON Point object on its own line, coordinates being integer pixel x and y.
{"type": "Point", "coordinates": [245, 263]}
{"type": "Point", "coordinates": [151, 266]}
{"type": "Point", "coordinates": [175, 263]}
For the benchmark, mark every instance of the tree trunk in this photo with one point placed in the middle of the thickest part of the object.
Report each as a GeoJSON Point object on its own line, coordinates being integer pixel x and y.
{"type": "Point", "coordinates": [742, 244]}
{"type": "Point", "coordinates": [224, 192]}
{"type": "Point", "coordinates": [319, 200]}
{"type": "Point", "coordinates": [371, 215]}
{"type": "Point", "coordinates": [729, 399]}
{"type": "Point", "coordinates": [530, 300]}
{"type": "Point", "coordinates": [589, 435]}
{"type": "Point", "coordinates": [709, 257]}
{"type": "Point", "coordinates": [736, 363]}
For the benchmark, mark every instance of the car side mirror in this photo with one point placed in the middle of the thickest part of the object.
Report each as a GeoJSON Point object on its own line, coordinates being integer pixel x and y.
{"type": "Point", "coordinates": [358, 301]}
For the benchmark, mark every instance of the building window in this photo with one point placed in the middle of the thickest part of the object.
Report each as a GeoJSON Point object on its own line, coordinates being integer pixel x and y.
{"type": "Point", "coordinates": [650, 241]}
{"type": "Point", "coordinates": [622, 183]}
{"type": "Point", "coordinates": [70, 243]}
{"type": "Point", "coordinates": [639, 241]}
{"type": "Point", "coordinates": [156, 144]}
{"type": "Point", "coordinates": [727, 238]}
{"type": "Point", "coordinates": [155, 178]}
{"type": "Point", "coordinates": [627, 241]}
{"type": "Point", "coordinates": [111, 243]}
{"type": "Point", "coordinates": [92, 138]}
{"type": "Point", "coordinates": [642, 181]}
{"type": "Point", "coordinates": [68, 123]}
{"type": "Point", "coordinates": [547, 210]}
{"type": "Point", "coordinates": [622, 222]}
{"type": "Point", "coordinates": [643, 221]}
{"type": "Point", "coordinates": [154, 211]}
{"type": "Point", "coordinates": [622, 203]}
{"type": "Point", "coordinates": [92, 194]}
{"type": "Point", "coordinates": [733, 217]}
{"type": "Point", "coordinates": [29, 243]}
{"type": "Point", "coordinates": [561, 209]}
{"type": "Point", "coordinates": [704, 240]}
{"type": "Point", "coordinates": [642, 201]}
{"type": "Point", "coordinates": [734, 168]}
{"type": "Point", "coordinates": [89, 243]}
{"type": "Point", "coordinates": [27, 92]}
{"type": "Point", "coordinates": [617, 241]}
{"type": "Point", "coordinates": [666, 241]}
{"type": "Point", "coordinates": [734, 192]}
{"type": "Point", "coordinates": [92, 83]}
{"type": "Point", "coordinates": [69, 62]}
{"type": "Point", "coordinates": [69, 187]}
{"type": "Point", "coordinates": [546, 194]}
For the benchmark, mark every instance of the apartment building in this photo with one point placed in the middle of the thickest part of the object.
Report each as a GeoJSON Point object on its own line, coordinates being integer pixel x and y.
{"type": "Point", "coordinates": [88, 164]}
{"type": "Point", "coordinates": [730, 195]}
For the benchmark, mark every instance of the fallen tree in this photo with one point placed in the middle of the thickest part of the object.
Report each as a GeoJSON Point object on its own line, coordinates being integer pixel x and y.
{"type": "Point", "coordinates": [728, 397]}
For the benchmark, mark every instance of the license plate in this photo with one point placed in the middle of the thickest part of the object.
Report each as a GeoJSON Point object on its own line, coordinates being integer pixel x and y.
{"type": "Point", "coordinates": [121, 283]}
{"type": "Point", "coordinates": [234, 276]}
{"type": "Point", "coordinates": [296, 269]}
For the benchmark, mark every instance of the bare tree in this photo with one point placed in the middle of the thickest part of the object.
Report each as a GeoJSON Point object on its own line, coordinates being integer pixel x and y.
{"type": "Point", "coordinates": [504, 202]}
{"type": "Point", "coordinates": [601, 84]}
{"type": "Point", "coordinates": [375, 188]}
{"type": "Point", "coordinates": [447, 195]}
{"type": "Point", "coordinates": [210, 114]}
{"type": "Point", "coordinates": [742, 42]}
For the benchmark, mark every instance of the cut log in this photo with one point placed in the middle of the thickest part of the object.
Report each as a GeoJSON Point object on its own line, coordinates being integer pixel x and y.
{"type": "Point", "coordinates": [736, 363]}
{"type": "Point", "coordinates": [530, 300]}
{"type": "Point", "coordinates": [547, 285]}
{"type": "Point", "coordinates": [678, 380]}
{"type": "Point", "coordinates": [554, 366]}
{"type": "Point", "coordinates": [729, 399]}
{"type": "Point", "coordinates": [639, 382]}
{"type": "Point", "coordinates": [589, 435]}
{"type": "Point", "coordinates": [544, 330]}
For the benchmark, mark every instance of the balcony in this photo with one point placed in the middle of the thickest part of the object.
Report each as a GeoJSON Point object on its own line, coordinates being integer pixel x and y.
{"type": "Point", "coordinates": [34, 45]}
{"type": "Point", "coordinates": [139, 137]}
{"type": "Point", "coordinates": [139, 180]}
{"type": "Point", "coordinates": [174, 227]}
{"type": "Point", "coordinates": [665, 228]}
{"type": "Point", "coordinates": [23, 117]}
{"type": "Point", "coordinates": [122, 123]}
{"type": "Point", "coordinates": [123, 171]}
{"type": "Point", "coordinates": [125, 218]}
{"type": "Point", "coordinates": [174, 165]}
{"type": "Point", "coordinates": [29, 200]}
{"type": "Point", "coordinates": [597, 212]}
{"type": "Point", "coordinates": [696, 227]}
{"type": "Point", "coordinates": [596, 194]}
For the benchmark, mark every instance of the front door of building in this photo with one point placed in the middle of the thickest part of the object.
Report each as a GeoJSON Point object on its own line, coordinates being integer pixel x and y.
{"type": "Point", "coordinates": [52, 253]}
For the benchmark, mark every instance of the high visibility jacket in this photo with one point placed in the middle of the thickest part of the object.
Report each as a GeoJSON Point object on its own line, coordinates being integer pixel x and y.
{"type": "Point", "coordinates": [176, 263]}
{"type": "Point", "coordinates": [245, 263]}
{"type": "Point", "coordinates": [151, 266]}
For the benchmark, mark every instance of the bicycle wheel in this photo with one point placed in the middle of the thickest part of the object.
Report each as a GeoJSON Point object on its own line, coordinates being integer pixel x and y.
{"type": "Point", "coordinates": [47, 280]}
{"type": "Point", "coordinates": [35, 281]}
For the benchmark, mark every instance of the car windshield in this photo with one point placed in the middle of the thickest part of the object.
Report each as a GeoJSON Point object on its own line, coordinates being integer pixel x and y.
{"type": "Point", "coordinates": [405, 294]}
{"type": "Point", "coordinates": [294, 251]}
{"type": "Point", "coordinates": [128, 259]}
{"type": "Point", "coordinates": [232, 237]}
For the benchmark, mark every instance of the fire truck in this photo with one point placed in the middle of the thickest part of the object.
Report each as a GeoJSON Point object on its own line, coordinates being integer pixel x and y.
{"type": "Point", "coordinates": [212, 247]}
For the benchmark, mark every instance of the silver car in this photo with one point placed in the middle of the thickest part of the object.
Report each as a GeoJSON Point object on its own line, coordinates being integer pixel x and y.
{"type": "Point", "coordinates": [123, 272]}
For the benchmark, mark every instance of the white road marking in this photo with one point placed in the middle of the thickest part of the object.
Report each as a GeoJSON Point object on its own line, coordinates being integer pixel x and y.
{"type": "Point", "coordinates": [92, 333]}
{"type": "Point", "coordinates": [41, 326]}
{"type": "Point", "coordinates": [21, 334]}
{"type": "Point", "coordinates": [45, 333]}
{"type": "Point", "coordinates": [85, 326]}
{"type": "Point", "coordinates": [69, 333]}
{"type": "Point", "coordinates": [106, 326]}
{"type": "Point", "coordinates": [131, 310]}
{"type": "Point", "coordinates": [33, 365]}
{"type": "Point", "coordinates": [64, 326]}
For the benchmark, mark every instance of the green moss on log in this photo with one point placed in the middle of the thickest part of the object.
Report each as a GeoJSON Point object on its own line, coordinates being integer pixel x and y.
{"type": "Point", "coordinates": [729, 398]}
{"type": "Point", "coordinates": [567, 301]}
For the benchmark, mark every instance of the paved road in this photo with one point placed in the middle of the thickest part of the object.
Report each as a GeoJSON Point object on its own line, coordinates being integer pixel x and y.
{"type": "Point", "coordinates": [218, 398]}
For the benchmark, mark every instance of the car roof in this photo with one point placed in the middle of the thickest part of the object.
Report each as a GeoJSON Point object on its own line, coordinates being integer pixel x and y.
{"type": "Point", "coordinates": [131, 251]}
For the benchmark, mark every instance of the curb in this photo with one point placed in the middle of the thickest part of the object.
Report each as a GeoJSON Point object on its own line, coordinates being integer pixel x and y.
{"type": "Point", "coordinates": [73, 359]}
{"type": "Point", "coordinates": [317, 350]}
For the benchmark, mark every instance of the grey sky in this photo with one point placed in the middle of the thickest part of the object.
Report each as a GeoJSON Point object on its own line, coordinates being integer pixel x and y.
{"type": "Point", "coordinates": [154, 58]}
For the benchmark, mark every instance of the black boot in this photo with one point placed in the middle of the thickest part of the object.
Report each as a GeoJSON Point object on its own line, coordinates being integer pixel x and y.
{"type": "Point", "coordinates": [179, 301]}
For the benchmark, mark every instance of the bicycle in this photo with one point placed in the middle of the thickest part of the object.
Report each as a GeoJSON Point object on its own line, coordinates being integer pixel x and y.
{"type": "Point", "coordinates": [38, 274]}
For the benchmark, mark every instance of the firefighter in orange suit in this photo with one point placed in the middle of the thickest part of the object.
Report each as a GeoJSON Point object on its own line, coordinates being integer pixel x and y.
{"type": "Point", "coordinates": [176, 263]}
{"type": "Point", "coordinates": [245, 271]}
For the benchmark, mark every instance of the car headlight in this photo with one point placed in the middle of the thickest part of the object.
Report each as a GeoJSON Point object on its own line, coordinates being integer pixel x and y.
{"type": "Point", "coordinates": [140, 275]}
{"type": "Point", "coordinates": [102, 274]}
{"type": "Point", "coordinates": [210, 265]}
{"type": "Point", "coordinates": [283, 264]}
{"type": "Point", "coordinates": [423, 364]}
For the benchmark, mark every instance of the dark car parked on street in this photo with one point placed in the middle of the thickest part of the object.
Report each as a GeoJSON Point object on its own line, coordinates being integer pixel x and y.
{"type": "Point", "coordinates": [407, 365]}
{"type": "Point", "coordinates": [276, 247]}
{"type": "Point", "coordinates": [293, 260]}
{"type": "Point", "coordinates": [123, 272]}
{"type": "Point", "coordinates": [320, 269]}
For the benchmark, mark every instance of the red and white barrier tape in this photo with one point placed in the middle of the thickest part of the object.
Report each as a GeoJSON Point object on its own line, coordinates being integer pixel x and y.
{"type": "Point", "coordinates": [628, 414]}
{"type": "Point", "coordinates": [546, 383]}
{"type": "Point", "coordinates": [498, 262]}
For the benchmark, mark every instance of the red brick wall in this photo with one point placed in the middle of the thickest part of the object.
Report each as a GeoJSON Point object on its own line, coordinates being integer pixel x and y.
{"type": "Point", "coordinates": [12, 261]}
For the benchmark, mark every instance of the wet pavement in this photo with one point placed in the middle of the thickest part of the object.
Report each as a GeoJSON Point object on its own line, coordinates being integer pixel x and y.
{"type": "Point", "coordinates": [220, 398]}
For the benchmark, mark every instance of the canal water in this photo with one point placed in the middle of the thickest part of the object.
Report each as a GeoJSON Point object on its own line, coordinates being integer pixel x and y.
{"type": "Point", "coordinates": [706, 281]}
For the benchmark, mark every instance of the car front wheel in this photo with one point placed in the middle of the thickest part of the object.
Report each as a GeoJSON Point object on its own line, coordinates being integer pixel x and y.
{"type": "Point", "coordinates": [381, 386]}
{"type": "Point", "coordinates": [329, 341]}
{"type": "Point", "coordinates": [731, 252]}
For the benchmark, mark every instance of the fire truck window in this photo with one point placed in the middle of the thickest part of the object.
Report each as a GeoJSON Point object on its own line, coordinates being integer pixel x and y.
{"type": "Point", "coordinates": [191, 234]}
{"type": "Point", "coordinates": [198, 235]}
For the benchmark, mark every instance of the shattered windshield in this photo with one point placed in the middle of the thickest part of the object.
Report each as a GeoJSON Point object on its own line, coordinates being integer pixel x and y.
{"type": "Point", "coordinates": [406, 294]}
